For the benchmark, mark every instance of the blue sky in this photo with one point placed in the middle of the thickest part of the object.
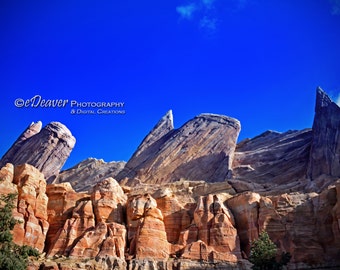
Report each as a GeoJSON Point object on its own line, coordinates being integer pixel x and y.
{"type": "Point", "coordinates": [258, 61]}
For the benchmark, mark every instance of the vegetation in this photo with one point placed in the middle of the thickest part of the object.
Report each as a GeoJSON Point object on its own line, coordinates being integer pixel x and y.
{"type": "Point", "coordinates": [12, 256]}
{"type": "Point", "coordinates": [263, 254]}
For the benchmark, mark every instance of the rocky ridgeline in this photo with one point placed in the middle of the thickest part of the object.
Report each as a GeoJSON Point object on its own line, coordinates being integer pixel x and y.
{"type": "Point", "coordinates": [189, 198]}
{"type": "Point", "coordinates": [88, 173]}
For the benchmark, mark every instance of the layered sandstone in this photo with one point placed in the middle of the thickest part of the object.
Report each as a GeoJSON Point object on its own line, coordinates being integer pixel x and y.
{"type": "Point", "coordinates": [90, 225]}
{"type": "Point", "coordinates": [146, 231]}
{"type": "Point", "coordinates": [47, 149]}
{"type": "Point", "coordinates": [86, 174]}
{"type": "Point", "coordinates": [202, 149]}
{"type": "Point", "coordinates": [214, 229]}
{"type": "Point", "coordinates": [31, 211]}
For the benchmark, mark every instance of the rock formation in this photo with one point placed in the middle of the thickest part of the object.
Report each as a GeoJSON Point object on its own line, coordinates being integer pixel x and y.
{"type": "Point", "coordinates": [202, 149]}
{"type": "Point", "coordinates": [266, 162]}
{"type": "Point", "coordinates": [86, 174]}
{"type": "Point", "coordinates": [64, 204]}
{"type": "Point", "coordinates": [31, 211]}
{"type": "Point", "coordinates": [146, 230]}
{"type": "Point", "coordinates": [325, 149]}
{"type": "Point", "coordinates": [285, 183]}
{"type": "Point", "coordinates": [160, 229]}
{"type": "Point", "coordinates": [90, 225]}
{"type": "Point", "coordinates": [46, 149]}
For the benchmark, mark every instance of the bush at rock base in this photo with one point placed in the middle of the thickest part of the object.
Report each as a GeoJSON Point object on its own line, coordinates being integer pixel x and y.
{"type": "Point", "coordinates": [263, 254]}
{"type": "Point", "coordinates": [12, 256]}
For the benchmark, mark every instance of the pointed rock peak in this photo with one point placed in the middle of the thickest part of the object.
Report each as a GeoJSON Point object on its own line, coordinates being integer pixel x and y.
{"type": "Point", "coordinates": [31, 130]}
{"type": "Point", "coordinates": [164, 125]}
{"type": "Point", "coordinates": [166, 122]}
{"type": "Point", "coordinates": [36, 127]}
{"type": "Point", "coordinates": [324, 155]}
{"type": "Point", "coordinates": [322, 99]}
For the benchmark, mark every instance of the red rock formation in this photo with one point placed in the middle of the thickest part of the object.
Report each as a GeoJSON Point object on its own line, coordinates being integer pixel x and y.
{"type": "Point", "coordinates": [92, 229]}
{"type": "Point", "coordinates": [146, 231]}
{"type": "Point", "coordinates": [62, 201]}
{"type": "Point", "coordinates": [109, 201]}
{"type": "Point", "coordinates": [31, 210]}
{"type": "Point", "coordinates": [175, 217]}
{"type": "Point", "coordinates": [81, 221]}
{"type": "Point", "coordinates": [6, 179]}
{"type": "Point", "coordinates": [216, 228]}
{"type": "Point", "coordinates": [32, 207]}
{"type": "Point", "coordinates": [245, 210]}
{"type": "Point", "coordinates": [192, 224]}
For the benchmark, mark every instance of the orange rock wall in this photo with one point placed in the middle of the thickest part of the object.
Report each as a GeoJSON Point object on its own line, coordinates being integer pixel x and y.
{"type": "Point", "coordinates": [109, 226]}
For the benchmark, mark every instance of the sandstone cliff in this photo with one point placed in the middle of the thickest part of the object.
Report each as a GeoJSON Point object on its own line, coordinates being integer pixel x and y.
{"type": "Point", "coordinates": [159, 226]}
{"type": "Point", "coordinates": [46, 149]}
{"type": "Point", "coordinates": [30, 185]}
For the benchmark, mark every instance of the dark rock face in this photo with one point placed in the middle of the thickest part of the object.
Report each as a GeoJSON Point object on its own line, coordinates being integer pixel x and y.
{"type": "Point", "coordinates": [272, 161]}
{"type": "Point", "coordinates": [325, 149]}
{"type": "Point", "coordinates": [202, 149]}
{"type": "Point", "coordinates": [86, 174]}
{"type": "Point", "coordinates": [31, 130]}
{"type": "Point", "coordinates": [46, 149]}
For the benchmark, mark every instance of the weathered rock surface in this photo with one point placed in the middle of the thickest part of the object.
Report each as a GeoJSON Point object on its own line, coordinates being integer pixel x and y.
{"type": "Point", "coordinates": [31, 210]}
{"type": "Point", "coordinates": [272, 161]}
{"type": "Point", "coordinates": [304, 161]}
{"type": "Point", "coordinates": [217, 238]}
{"type": "Point", "coordinates": [306, 225]}
{"type": "Point", "coordinates": [86, 174]}
{"type": "Point", "coordinates": [46, 149]}
{"type": "Point", "coordinates": [214, 229]}
{"type": "Point", "coordinates": [146, 230]}
{"type": "Point", "coordinates": [325, 149]}
{"type": "Point", "coordinates": [90, 225]}
{"type": "Point", "coordinates": [284, 183]}
{"type": "Point", "coordinates": [109, 201]}
{"type": "Point", "coordinates": [202, 149]}
{"type": "Point", "coordinates": [62, 206]}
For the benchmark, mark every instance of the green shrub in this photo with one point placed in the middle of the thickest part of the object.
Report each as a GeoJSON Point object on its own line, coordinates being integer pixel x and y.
{"type": "Point", "coordinates": [263, 254]}
{"type": "Point", "coordinates": [12, 256]}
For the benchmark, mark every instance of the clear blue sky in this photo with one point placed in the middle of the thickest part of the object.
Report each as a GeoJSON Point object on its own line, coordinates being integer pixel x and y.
{"type": "Point", "coordinates": [258, 61]}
